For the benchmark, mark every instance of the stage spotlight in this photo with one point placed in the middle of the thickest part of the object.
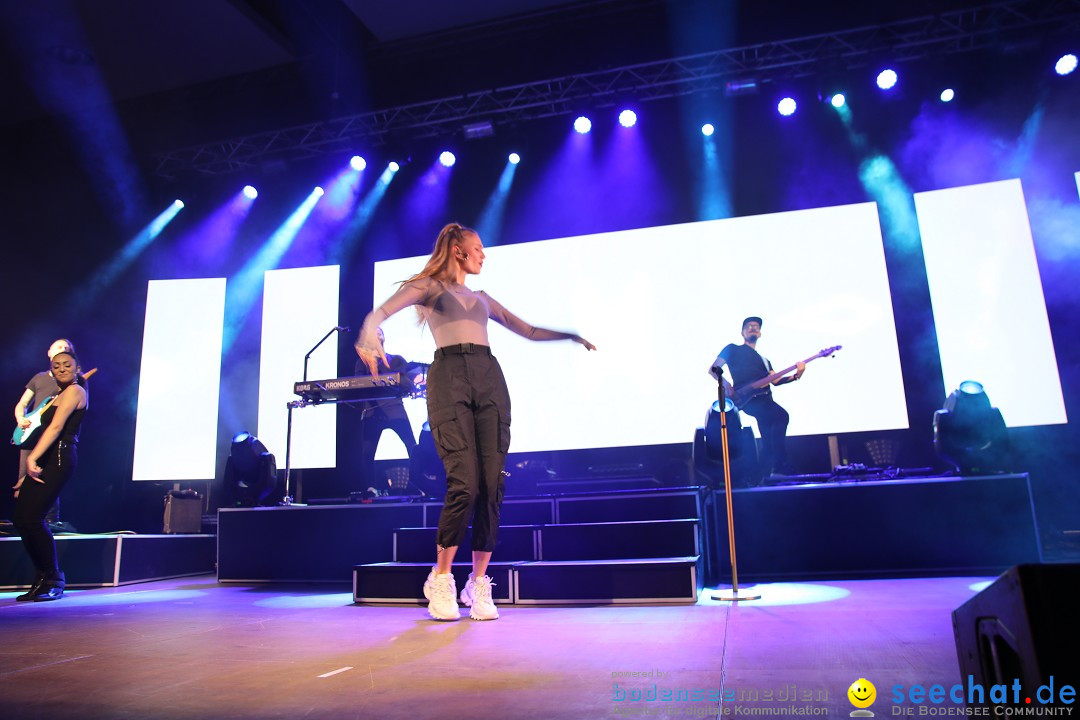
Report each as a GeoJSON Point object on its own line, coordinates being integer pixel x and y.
{"type": "Point", "coordinates": [947, 95]}
{"type": "Point", "coordinates": [513, 158]}
{"type": "Point", "coordinates": [786, 107]}
{"type": "Point", "coordinates": [708, 448]}
{"type": "Point", "coordinates": [582, 124]}
{"type": "Point", "coordinates": [838, 100]}
{"type": "Point", "coordinates": [250, 471]}
{"type": "Point", "coordinates": [447, 159]}
{"type": "Point", "coordinates": [969, 433]}
{"type": "Point", "coordinates": [628, 118]}
{"type": "Point", "coordinates": [886, 79]}
{"type": "Point", "coordinates": [250, 192]}
{"type": "Point", "coordinates": [318, 191]}
{"type": "Point", "coordinates": [707, 129]}
{"type": "Point", "coordinates": [357, 163]}
{"type": "Point", "coordinates": [1065, 64]}
{"type": "Point", "coordinates": [393, 166]}
{"type": "Point", "coordinates": [178, 204]}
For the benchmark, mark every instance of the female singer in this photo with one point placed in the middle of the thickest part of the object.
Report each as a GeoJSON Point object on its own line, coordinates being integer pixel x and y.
{"type": "Point", "coordinates": [468, 408]}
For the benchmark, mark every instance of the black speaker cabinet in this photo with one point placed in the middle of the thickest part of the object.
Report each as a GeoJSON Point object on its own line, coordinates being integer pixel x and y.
{"type": "Point", "coordinates": [1024, 626]}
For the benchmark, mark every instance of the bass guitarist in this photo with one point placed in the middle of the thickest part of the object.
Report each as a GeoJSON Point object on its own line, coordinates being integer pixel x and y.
{"type": "Point", "coordinates": [747, 366]}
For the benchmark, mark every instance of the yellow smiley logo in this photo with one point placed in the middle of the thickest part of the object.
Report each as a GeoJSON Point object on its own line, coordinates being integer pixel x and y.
{"type": "Point", "coordinates": [862, 693]}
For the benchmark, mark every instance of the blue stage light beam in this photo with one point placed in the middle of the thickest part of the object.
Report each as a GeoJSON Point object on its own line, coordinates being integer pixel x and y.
{"type": "Point", "coordinates": [628, 118]}
{"type": "Point", "coordinates": [708, 129]}
{"type": "Point", "coordinates": [947, 95]}
{"type": "Point", "coordinates": [513, 158]}
{"type": "Point", "coordinates": [715, 200]}
{"type": "Point", "coordinates": [250, 192]}
{"type": "Point", "coordinates": [199, 250]}
{"type": "Point", "coordinates": [108, 274]}
{"type": "Point", "coordinates": [883, 183]}
{"type": "Point", "coordinates": [489, 226]}
{"type": "Point", "coordinates": [628, 180]}
{"type": "Point", "coordinates": [447, 158]}
{"type": "Point", "coordinates": [786, 106]}
{"type": "Point", "coordinates": [357, 163]}
{"type": "Point", "coordinates": [582, 124]}
{"type": "Point", "coordinates": [244, 286]}
{"type": "Point", "coordinates": [52, 55]}
{"type": "Point", "coordinates": [342, 192]}
{"type": "Point", "coordinates": [347, 240]}
{"type": "Point", "coordinates": [426, 201]}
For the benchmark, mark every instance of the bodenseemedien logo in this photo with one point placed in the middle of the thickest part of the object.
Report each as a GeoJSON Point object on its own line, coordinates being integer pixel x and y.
{"type": "Point", "coordinates": [862, 694]}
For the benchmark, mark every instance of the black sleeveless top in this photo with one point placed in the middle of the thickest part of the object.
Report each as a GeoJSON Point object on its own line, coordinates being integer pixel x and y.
{"type": "Point", "coordinates": [70, 433]}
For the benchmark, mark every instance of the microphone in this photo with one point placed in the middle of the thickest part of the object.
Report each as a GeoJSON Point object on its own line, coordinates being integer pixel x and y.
{"type": "Point", "coordinates": [342, 328]}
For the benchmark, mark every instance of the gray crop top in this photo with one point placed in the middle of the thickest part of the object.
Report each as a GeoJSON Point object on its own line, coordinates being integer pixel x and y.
{"type": "Point", "coordinates": [454, 313]}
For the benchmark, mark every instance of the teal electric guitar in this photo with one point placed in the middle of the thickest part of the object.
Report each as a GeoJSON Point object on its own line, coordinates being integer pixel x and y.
{"type": "Point", "coordinates": [27, 436]}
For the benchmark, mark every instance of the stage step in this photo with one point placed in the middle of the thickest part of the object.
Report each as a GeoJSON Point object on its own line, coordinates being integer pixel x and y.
{"type": "Point", "coordinates": [653, 504]}
{"type": "Point", "coordinates": [602, 582]}
{"type": "Point", "coordinates": [417, 545]}
{"type": "Point", "coordinates": [575, 541]}
{"type": "Point", "coordinates": [618, 540]}
{"type": "Point", "coordinates": [595, 484]}
{"type": "Point", "coordinates": [404, 582]}
{"type": "Point", "coordinates": [655, 580]}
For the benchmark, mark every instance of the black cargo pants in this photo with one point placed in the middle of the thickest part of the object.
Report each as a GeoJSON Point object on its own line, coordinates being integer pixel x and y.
{"type": "Point", "coordinates": [469, 415]}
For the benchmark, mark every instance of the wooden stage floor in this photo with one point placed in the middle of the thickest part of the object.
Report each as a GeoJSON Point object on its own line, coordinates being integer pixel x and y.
{"type": "Point", "coordinates": [191, 648]}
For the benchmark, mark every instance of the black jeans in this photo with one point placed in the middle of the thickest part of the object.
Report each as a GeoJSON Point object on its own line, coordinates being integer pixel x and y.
{"type": "Point", "coordinates": [469, 414]}
{"type": "Point", "coordinates": [54, 512]}
{"type": "Point", "coordinates": [57, 465]}
{"type": "Point", "coordinates": [389, 415]}
{"type": "Point", "coordinates": [772, 422]}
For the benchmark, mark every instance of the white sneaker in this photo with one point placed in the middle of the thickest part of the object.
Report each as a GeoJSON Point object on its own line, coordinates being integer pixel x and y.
{"type": "Point", "coordinates": [441, 592]}
{"type": "Point", "coordinates": [477, 596]}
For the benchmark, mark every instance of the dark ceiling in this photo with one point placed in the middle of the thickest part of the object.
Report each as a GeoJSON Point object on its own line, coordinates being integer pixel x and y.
{"type": "Point", "coordinates": [353, 55]}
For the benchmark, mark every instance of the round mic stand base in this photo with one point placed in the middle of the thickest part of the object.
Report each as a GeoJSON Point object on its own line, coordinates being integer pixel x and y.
{"type": "Point", "coordinates": [734, 595]}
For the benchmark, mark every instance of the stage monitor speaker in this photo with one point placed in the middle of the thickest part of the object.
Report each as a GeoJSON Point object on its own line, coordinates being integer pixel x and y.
{"type": "Point", "coordinates": [1023, 626]}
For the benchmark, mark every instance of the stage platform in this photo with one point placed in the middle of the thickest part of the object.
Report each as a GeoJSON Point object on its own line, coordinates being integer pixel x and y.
{"type": "Point", "coordinates": [652, 544]}
{"type": "Point", "coordinates": [112, 560]}
{"type": "Point", "coordinates": [882, 528]}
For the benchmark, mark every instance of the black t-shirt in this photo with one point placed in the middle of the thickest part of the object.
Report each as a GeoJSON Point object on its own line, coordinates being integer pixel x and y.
{"type": "Point", "coordinates": [43, 385]}
{"type": "Point", "coordinates": [745, 364]}
{"type": "Point", "coordinates": [397, 365]}
{"type": "Point", "coordinates": [392, 408]}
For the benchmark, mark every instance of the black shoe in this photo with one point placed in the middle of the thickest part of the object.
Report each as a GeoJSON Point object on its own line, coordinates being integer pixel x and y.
{"type": "Point", "coordinates": [29, 594]}
{"type": "Point", "coordinates": [52, 587]}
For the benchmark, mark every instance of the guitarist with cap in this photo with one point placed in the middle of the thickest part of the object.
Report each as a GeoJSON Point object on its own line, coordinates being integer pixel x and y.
{"type": "Point", "coordinates": [748, 366]}
{"type": "Point", "coordinates": [40, 388]}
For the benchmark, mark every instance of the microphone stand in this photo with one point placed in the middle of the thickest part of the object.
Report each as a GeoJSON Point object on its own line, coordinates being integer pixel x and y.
{"type": "Point", "coordinates": [287, 498]}
{"type": "Point", "coordinates": [308, 356]}
{"type": "Point", "coordinates": [734, 595]}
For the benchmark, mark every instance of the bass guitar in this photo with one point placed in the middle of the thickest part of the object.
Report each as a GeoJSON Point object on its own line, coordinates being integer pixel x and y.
{"type": "Point", "coordinates": [27, 436]}
{"type": "Point", "coordinates": [747, 392]}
